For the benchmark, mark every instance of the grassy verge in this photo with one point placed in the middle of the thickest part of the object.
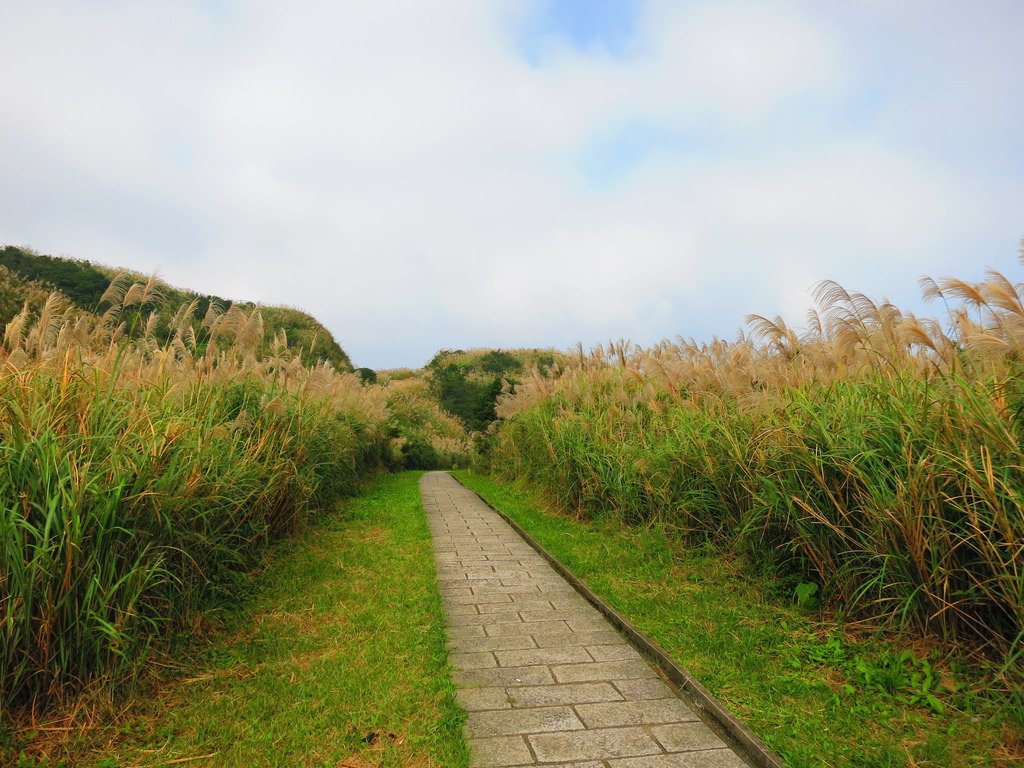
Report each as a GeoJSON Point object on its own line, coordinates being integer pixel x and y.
{"type": "Point", "coordinates": [337, 659]}
{"type": "Point", "coordinates": [818, 693]}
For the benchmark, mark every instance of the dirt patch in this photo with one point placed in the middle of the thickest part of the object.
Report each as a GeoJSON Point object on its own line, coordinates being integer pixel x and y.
{"type": "Point", "coordinates": [304, 661]}
{"type": "Point", "coordinates": [236, 672]}
{"type": "Point", "coordinates": [355, 762]}
{"type": "Point", "coordinates": [375, 535]}
{"type": "Point", "coordinates": [307, 622]}
{"type": "Point", "coordinates": [394, 744]}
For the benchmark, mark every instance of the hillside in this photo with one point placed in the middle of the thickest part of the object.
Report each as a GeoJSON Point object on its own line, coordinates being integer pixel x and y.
{"type": "Point", "coordinates": [27, 276]}
{"type": "Point", "coordinates": [468, 383]}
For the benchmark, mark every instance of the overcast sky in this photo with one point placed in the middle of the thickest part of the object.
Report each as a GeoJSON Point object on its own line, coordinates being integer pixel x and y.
{"type": "Point", "coordinates": [462, 173]}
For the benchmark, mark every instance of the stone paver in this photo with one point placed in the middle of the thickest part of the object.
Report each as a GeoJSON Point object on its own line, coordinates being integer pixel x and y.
{"type": "Point", "coordinates": [545, 678]}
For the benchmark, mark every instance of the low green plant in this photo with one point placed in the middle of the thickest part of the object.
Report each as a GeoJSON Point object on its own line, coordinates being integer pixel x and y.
{"type": "Point", "coordinates": [805, 595]}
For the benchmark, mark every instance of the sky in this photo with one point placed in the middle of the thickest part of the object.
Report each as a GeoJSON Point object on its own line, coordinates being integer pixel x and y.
{"type": "Point", "coordinates": [518, 173]}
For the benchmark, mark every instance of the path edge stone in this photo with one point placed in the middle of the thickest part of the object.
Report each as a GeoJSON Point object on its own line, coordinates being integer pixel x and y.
{"type": "Point", "coordinates": [759, 752]}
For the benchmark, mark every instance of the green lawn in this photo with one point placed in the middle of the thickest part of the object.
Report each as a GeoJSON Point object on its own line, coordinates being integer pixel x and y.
{"type": "Point", "coordinates": [819, 694]}
{"type": "Point", "coordinates": [337, 659]}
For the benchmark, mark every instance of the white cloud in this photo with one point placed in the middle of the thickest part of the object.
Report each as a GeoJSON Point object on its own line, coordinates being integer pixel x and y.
{"type": "Point", "coordinates": [740, 59]}
{"type": "Point", "coordinates": [398, 169]}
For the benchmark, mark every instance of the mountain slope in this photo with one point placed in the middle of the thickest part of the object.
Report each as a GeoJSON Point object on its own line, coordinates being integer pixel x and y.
{"type": "Point", "coordinates": [26, 276]}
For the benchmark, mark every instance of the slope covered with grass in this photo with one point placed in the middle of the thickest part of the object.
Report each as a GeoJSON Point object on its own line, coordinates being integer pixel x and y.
{"type": "Point", "coordinates": [85, 284]}
{"type": "Point", "coordinates": [467, 383]}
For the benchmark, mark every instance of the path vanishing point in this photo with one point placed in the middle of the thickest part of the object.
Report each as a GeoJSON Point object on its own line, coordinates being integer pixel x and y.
{"type": "Point", "coordinates": [545, 678]}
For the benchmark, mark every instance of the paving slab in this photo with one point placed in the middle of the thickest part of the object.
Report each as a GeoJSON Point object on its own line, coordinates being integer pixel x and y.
{"type": "Point", "coordinates": [567, 655]}
{"type": "Point", "coordinates": [603, 670]}
{"type": "Point", "coordinates": [592, 744]}
{"type": "Point", "coordinates": [545, 678]}
{"type": "Point", "coordinates": [507, 676]}
{"type": "Point", "coordinates": [712, 758]}
{"type": "Point", "coordinates": [536, 720]}
{"type": "Point", "coordinates": [498, 751]}
{"type": "Point", "coordinates": [569, 693]}
{"type": "Point", "coordinates": [651, 712]}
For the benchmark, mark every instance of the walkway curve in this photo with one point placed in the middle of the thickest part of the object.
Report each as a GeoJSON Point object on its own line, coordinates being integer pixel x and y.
{"type": "Point", "coordinates": [546, 680]}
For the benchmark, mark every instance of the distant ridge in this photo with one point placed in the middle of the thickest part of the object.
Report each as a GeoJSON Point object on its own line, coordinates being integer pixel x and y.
{"type": "Point", "coordinates": [28, 276]}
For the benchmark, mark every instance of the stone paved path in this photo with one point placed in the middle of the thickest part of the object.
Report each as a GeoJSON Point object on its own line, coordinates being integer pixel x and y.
{"type": "Point", "coordinates": [545, 678]}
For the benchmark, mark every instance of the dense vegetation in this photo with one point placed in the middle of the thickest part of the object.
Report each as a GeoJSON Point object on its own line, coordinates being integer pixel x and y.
{"type": "Point", "coordinates": [153, 442]}
{"type": "Point", "coordinates": [467, 384]}
{"type": "Point", "coordinates": [86, 285]}
{"type": "Point", "coordinates": [82, 282]}
{"type": "Point", "coordinates": [140, 477]}
{"type": "Point", "coordinates": [424, 434]}
{"type": "Point", "coordinates": [875, 461]}
{"type": "Point", "coordinates": [16, 291]}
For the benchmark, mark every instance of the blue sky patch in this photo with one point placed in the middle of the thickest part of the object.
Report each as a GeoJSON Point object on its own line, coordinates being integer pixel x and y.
{"type": "Point", "coordinates": [613, 152]}
{"type": "Point", "coordinates": [586, 25]}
